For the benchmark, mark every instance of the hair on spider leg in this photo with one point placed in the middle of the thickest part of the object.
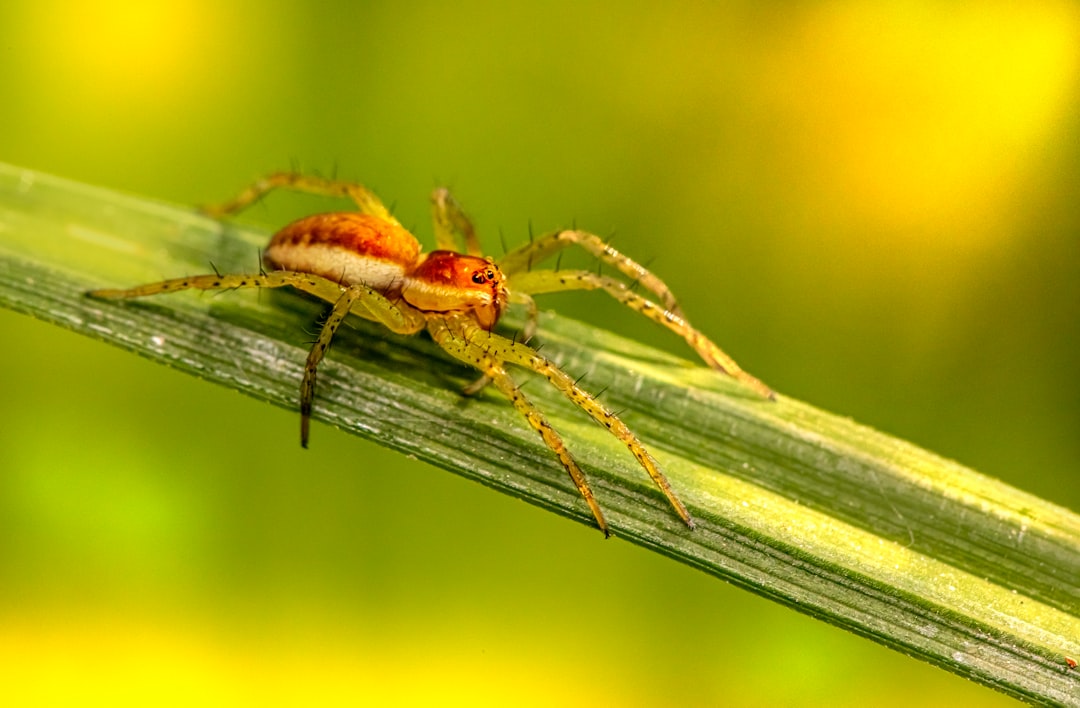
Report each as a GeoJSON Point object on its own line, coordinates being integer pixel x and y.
{"type": "Point", "coordinates": [319, 322]}
{"type": "Point", "coordinates": [520, 338]}
{"type": "Point", "coordinates": [633, 284]}
{"type": "Point", "coordinates": [314, 338]}
{"type": "Point", "coordinates": [222, 291]}
{"type": "Point", "coordinates": [529, 261]}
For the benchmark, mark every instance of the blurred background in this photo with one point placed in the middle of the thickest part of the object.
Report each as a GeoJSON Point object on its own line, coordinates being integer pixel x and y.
{"type": "Point", "coordinates": [872, 205]}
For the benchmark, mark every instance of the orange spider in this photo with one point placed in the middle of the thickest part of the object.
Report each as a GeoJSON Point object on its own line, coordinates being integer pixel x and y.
{"type": "Point", "coordinates": [365, 263]}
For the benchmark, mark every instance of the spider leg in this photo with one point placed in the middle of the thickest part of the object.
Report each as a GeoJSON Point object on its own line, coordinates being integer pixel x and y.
{"type": "Point", "coordinates": [527, 333]}
{"type": "Point", "coordinates": [360, 300]}
{"type": "Point", "coordinates": [554, 441]}
{"type": "Point", "coordinates": [548, 281]}
{"type": "Point", "coordinates": [399, 317]}
{"type": "Point", "coordinates": [532, 314]}
{"type": "Point", "coordinates": [314, 284]}
{"type": "Point", "coordinates": [357, 299]}
{"type": "Point", "coordinates": [366, 302]}
{"type": "Point", "coordinates": [467, 341]}
{"type": "Point", "coordinates": [454, 230]}
{"type": "Point", "coordinates": [452, 341]}
{"type": "Point", "coordinates": [536, 419]}
{"type": "Point", "coordinates": [365, 200]}
{"type": "Point", "coordinates": [341, 308]}
{"type": "Point", "coordinates": [524, 258]}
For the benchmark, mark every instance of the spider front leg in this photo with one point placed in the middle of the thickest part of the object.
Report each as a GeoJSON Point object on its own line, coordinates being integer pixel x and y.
{"type": "Point", "coordinates": [536, 282]}
{"type": "Point", "coordinates": [467, 341]}
{"type": "Point", "coordinates": [540, 424]}
{"type": "Point", "coordinates": [451, 340]}
{"type": "Point", "coordinates": [366, 201]}
{"type": "Point", "coordinates": [524, 258]}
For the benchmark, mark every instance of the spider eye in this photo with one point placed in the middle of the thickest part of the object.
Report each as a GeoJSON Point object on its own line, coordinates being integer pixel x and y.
{"type": "Point", "coordinates": [478, 278]}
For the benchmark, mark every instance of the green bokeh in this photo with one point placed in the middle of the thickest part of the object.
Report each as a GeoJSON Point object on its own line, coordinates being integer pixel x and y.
{"type": "Point", "coordinates": [760, 159]}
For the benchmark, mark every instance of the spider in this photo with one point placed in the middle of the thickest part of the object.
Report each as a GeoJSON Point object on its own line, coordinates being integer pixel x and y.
{"type": "Point", "coordinates": [365, 263]}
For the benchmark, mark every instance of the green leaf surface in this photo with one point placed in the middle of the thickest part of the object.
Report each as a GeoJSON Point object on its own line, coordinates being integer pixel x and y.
{"type": "Point", "coordinates": [815, 511]}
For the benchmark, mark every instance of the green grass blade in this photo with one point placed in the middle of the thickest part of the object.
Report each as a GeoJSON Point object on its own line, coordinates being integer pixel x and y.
{"type": "Point", "coordinates": [841, 522]}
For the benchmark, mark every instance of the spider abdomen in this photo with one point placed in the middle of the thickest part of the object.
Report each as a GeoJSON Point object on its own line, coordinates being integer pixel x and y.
{"type": "Point", "coordinates": [345, 247]}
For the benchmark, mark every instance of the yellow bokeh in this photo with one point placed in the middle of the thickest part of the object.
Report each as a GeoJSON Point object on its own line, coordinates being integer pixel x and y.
{"type": "Point", "coordinates": [120, 660]}
{"type": "Point", "coordinates": [117, 49]}
{"type": "Point", "coordinates": [912, 114]}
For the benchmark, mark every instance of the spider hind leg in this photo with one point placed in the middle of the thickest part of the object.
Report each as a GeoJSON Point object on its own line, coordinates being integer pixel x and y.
{"type": "Point", "coordinates": [356, 299]}
{"type": "Point", "coordinates": [365, 200]}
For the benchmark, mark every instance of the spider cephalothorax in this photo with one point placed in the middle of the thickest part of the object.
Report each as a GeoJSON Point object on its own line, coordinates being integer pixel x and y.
{"type": "Point", "coordinates": [365, 263]}
{"type": "Point", "coordinates": [445, 281]}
